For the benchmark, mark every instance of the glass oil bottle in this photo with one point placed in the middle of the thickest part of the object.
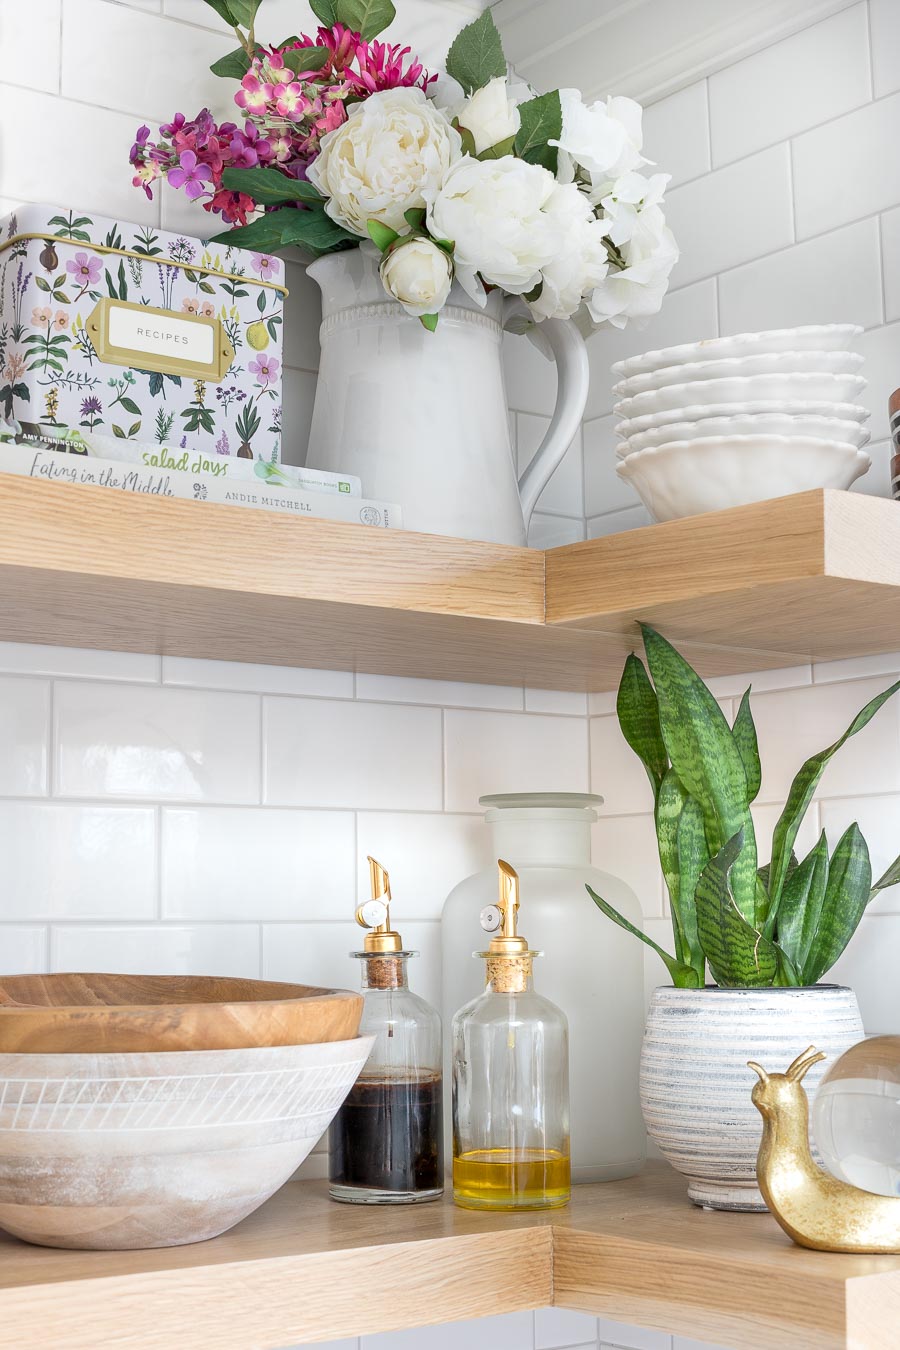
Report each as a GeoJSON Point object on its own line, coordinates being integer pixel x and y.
{"type": "Point", "coordinates": [510, 1057]}
{"type": "Point", "coordinates": [385, 1143]}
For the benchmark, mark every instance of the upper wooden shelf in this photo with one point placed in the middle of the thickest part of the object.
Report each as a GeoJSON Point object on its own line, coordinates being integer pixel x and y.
{"type": "Point", "coordinates": [816, 576]}
{"type": "Point", "coordinates": [305, 1269]}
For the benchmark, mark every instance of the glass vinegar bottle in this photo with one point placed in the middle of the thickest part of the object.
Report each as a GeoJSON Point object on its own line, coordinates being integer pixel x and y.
{"type": "Point", "coordinates": [510, 1057]}
{"type": "Point", "coordinates": [385, 1143]}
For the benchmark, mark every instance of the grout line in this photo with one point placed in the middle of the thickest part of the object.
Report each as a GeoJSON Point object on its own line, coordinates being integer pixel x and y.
{"type": "Point", "coordinates": [870, 51]}
{"type": "Point", "coordinates": [792, 200]}
{"type": "Point", "coordinates": [881, 268]}
{"type": "Point", "coordinates": [158, 859]}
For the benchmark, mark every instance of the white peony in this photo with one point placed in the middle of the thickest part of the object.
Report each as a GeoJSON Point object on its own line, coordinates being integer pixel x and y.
{"type": "Point", "coordinates": [490, 114]}
{"type": "Point", "coordinates": [494, 212]}
{"type": "Point", "coordinates": [388, 157]}
{"type": "Point", "coordinates": [636, 291]}
{"type": "Point", "coordinates": [632, 211]}
{"type": "Point", "coordinates": [604, 140]}
{"type": "Point", "coordinates": [581, 262]}
{"type": "Point", "coordinates": [418, 274]}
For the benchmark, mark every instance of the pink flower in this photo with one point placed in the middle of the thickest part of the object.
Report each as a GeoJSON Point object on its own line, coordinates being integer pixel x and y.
{"type": "Point", "coordinates": [253, 94]}
{"type": "Point", "coordinates": [41, 315]}
{"type": "Point", "coordinates": [190, 306]}
{"type": "Point", "coordinates": [291, 100]}
{"type": "Point", "coordinates": [85, 269]}
{"type": "Point", "coordinates": [61, 322]}
{"type": "Point", "coordinates": [190, 175]}
{"type": "Point", "coordinates": [265, 368]}
{"type": "Point", "coordinates": [266, 267]}
{"type": "Point", "coordinates": [208, 309]}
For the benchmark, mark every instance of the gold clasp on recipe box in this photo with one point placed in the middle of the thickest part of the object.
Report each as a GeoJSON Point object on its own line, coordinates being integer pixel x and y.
{"type": "Point", "coordinates": [172, 344]}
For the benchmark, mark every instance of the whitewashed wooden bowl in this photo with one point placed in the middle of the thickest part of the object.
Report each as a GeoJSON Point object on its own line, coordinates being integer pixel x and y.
{"type": "Point", "coordinates": [803, 388]}
{"type": "Point", "coordinates": [688, 478]}
{"type": "Point", "coordinates": [122, 1151]}
{"type": "Point", "coordinates": [766, 363]}
{"type": "Point", "coordinates": [828, 337]}
{"type": "Point", "coordinates": [747, 424]}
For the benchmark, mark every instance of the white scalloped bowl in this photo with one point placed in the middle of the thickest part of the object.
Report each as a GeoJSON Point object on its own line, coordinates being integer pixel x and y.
{"type": "Point", "coordinates": [829, 337]}
{"type": "Point", "coordinates": [700, 412]}
{"type": "Point", "coordinates": [766, 363]}
{"type": "Point", "coordinates": [688, 478]}
{"type": "Point", "coordinates": [746, 424]}
{"type": "Point", "coordinates": [810, 387]}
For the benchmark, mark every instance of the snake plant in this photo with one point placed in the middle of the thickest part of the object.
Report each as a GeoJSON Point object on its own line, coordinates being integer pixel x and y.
{"type": "Point", "coordinates": [782, 924]}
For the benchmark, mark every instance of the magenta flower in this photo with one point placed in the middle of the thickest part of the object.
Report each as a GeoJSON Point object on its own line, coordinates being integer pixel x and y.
{"type": "Point", "coordinates": [253, 94]}
{"type": "Point", "coordinates": [190, 175]}
{"type": "Point", "coordinates": [85, 269]}
{"type": "Point", "coordinates": [243, 154]}
{"type": "Point", "coordinates": [266, 267]}
{"type": "Point", "coordinates": [265, 368]}
{"type": "Point", "coordinates": [290, 100]}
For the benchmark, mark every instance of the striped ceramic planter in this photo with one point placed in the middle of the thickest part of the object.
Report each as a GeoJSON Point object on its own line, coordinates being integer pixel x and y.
{"type": "Point", "coordinates": [695, 1084]}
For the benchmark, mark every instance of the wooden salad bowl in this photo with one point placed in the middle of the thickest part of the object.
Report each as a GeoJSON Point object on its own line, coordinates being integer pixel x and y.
{"type": "Point", "coordinates": [92, 1014]}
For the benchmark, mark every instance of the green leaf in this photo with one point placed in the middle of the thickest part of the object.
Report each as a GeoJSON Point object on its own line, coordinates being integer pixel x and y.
{"type": "Point", "coordinates": [223, 11]}
{"type": "Point", "coordinates": [41, 284]}
{"type": "Point", "coordinates": [313, 229]}
{"type": "Point", "coordinates": [888, 878]}
{"type": "Point", "coordinates": [233, 66]}
{"type": "Point", "coordinates": [476, 56]}
{"type": "Point", "coordinates": [801, 905]}
{"type": "Point", "coordinates": [263, 234]}
{"type": "Point", "coordinates": [415, 217]}
{"type": "Point", "coordinates": [134, 428]}
{"type": "Point", "coordinates": [468, 140]}
{"type": "Point", "coordinates": [704, 755]}
{"type": "Point", "coordinates": [382, 236]}
{"type": "Point", "coordinates": [682, 976]}
{"type": "Point", "coordinates": [306, 58]}
{"type": "Point", "coordinates": [119, 433]}
{"type": "Point", "coordinates": [269, 187]}
{"type": "Point", "coordinates": [130, 406]}
{"type": "Point", "coordinates": [800, 796]}
{"type": "Point", "coordinates": [499, 150]}
{"type": "Point", "coordinates": [366, 17]}
{"type": "Point", "coordinates": [324, 11]}
{"type": "Point", "coordinates": [540, 122]}
{"type": "Point", "coordinates": [744, 733]}
{"type": "Point", "coordinates": [123, 284]}
{"type": "Point", "coordinates": [206, 288]}
{"type": "Point", "coordinates": [693, 856]}
{"type": "Point", "coordinates": [739, 956]}
{"type": "Point", "coordinates": [261, 302]}
{"type": "Point", "coordinates": [244, 11]}
{"type": "Point", "coordinates": [637, 708]}
{"type": "Point", "coordinates": [670, 802]}
{"type": "Point", "coordinates": [429, 321]}
{"type": "Point", "coordinates": [846, 896]}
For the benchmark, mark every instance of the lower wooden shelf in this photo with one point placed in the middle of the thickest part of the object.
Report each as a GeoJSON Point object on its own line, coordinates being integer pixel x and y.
{"type": "Point", "coordinates": [305, 1269]}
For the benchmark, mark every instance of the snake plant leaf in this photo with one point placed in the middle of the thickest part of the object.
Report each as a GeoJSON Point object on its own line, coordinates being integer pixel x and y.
{"type": "Point", "coordinates": [693, 855]}
{"type": "Point", "coordinates": [799, 798]}
{"type": "Point", "coordinates": [638, 712]}
{"type": "Point", "coordinates": [738, 955]}
{"type": "Point", "coordinates": [846, 896]}
{"type": "Point", "coordinates": [670, 802]}
{"type": "Point", "coordinates": [703, 753]}
{"type": "Point", "coordinates": [888, 878]}
{"type": "Point", "coordinates": [744, 733]}
{"type": "Point", "coordinates": [801, 905]}
{"type": "Point", "coordinates": [682, 976]}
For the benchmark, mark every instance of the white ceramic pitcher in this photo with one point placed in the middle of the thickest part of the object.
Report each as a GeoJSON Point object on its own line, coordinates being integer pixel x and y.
{"type": "Point", "coordinates": [421, 417]}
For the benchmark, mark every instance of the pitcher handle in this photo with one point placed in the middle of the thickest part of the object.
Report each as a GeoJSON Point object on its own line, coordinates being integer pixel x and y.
{"type": "Point", "coordinates": [567, 347]}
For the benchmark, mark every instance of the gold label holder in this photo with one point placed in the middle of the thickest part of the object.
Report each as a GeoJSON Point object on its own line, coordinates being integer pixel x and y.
{"type": "Point", "coordinates": [168, 332]}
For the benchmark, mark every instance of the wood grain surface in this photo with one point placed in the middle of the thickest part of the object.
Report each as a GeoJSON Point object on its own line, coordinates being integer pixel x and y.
{"type": "Point", "coordinates": [305, 1269]}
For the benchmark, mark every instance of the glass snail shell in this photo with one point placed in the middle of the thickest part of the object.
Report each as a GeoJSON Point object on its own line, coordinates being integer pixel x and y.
{"type": "Point", "coordinates": [856, 1116]}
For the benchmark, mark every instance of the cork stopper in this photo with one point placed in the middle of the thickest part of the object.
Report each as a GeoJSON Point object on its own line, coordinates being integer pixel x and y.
{"type": "Point", "coordinates": [384, 972]}
{"type": "Point", "coordinates": [509, 974]}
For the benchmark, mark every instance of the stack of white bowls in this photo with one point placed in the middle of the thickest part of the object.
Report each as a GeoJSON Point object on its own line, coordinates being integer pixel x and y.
{"type": "Point", "coordinates": [734, 420]}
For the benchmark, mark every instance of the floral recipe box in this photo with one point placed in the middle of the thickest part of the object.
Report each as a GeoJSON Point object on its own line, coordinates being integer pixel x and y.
{"type": "Point", "coordinates": [139, 335]}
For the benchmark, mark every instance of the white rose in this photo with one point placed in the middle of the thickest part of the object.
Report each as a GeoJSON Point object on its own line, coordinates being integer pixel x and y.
{"type": "Point", "coordinates": [387, 158]}
{"type": "Point", "coordinates": [418, 275]}
{"type": "Point", "coordinates": [581, 262]}
{"type": "Point", "coordinates": [493, 210]}
{"type": "Point", "coordinates": [490, 114]}
{"type": "Point", "coordinates": [636, 292]}
{"type": "Point", "coordinates": [631, 210]}
{"type": "Point", "coordinates": [603, 139]}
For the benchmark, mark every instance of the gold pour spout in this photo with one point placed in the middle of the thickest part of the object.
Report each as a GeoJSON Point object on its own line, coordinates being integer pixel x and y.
{"type": "Point", "coordinates": [508, 942]}
{"type": "Point", "coordinates": [375, 914]}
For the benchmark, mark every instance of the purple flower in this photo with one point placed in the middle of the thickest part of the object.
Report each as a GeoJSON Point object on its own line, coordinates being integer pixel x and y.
{"type": "Point", "coordinates": [137, 150]}
{"type": "Point", "coordinates": [190, 175]}
{"type": "Point", "coordinates": [266, 267]}
{"type": "Point", "coordinates": [265, 368]}
{"type": "Point", "coordinates": [85, 269]}
{"type": "Point", "coordinates": [90, 407]}
{"type": "Point", "coordinates": [243, 155]}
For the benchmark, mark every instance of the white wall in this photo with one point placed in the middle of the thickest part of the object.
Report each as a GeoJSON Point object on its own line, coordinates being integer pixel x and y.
{"type": "Point", "coordinates": [199, 816]}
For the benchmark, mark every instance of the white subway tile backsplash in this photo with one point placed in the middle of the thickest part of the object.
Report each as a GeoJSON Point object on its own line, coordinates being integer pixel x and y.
{"type": "Point", "coordinates": [876, 482]}
{"type": "Point", "coordinates": [879, 820]}
{"type": "Point", "coordinates": [239, 863]}
{"type": "Point", "coordinates": [159, 949]}
{"type": "Point", "coordinates": [62, 861]}
{"type": "Point", "coordinates": [766, 814]}
{"type": "Point", "coordinates": [515, 1331]}
{"type": "Point", "coordinates": [29, 41]}
{"type": "Point", "coordinates": [555, 1327]}
{"type": "Point", "coordinates": [186, 670]}
{"type": "Point", "coordinates": [426, 856]}
{"type": "Point", "coordinates": [563, 494]}
{"type": "Point", "coordinates": [564, 701]}
{"type": "Point", "coordinates": [890, 261]}
{"type": "Point", "coordinates": [858, 667]}
{"type": "Point", "coordinates": [174, 744]}
{"type": "Point", "coordinates": [511, 752]}
{"type": "Point", "coordinates": [732, 215]}
{"type": "Point", "coordinates": [862, 147]}
{"type": "Point", "coordinates": [604, 490]}
{"type": "Point", "coordinates": [23, 950]}
{"type": "Point", "coordinates": [299, 393]}
{"type": "Point", "coordinates": [626, 847]}
{"type": "Point", "coordinates": [834, 278]}
{"type": "Point", "coordinates": [441, 693]}
{"type": "Point", "coordinates": [79, 662]}
{"type": "Point", "coordinates": [24, 737]}
{"type": "Point", "coordinates": [881, 349]}
{"type": "Point", "coordinates": [319, 953]}
{"type": "Point", "coordinates": [676, 134]}
{"type": "Point", "coordinates": [616, 771]}
{"type": "Point", "coordinates": [869, 966]}
{"type": "Point", "coordinates": [615, 522]}
{"type": "Point", "coordinates": [554, 531]}
{"type": "Point", "coordinates": [790, 86]}
{"type": "Point", "coordinates": [787, 677]}
{"type": "Point", "coordinates": [634, 1338]}
{"type": "Point", "coordinates": [884, 19]}
{"type": "Point", "coordinates": [366, 755]}
{"type": "Point", "coordinates": [529, 376]}
{"type": "Point", "coordinates": [684, 1343]}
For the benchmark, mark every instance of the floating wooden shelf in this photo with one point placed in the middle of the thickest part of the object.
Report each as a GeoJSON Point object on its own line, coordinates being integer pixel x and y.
{"type": "Point", "coordinates": [304, 1269]}
{"type": "Point", "coordinates": [816, 576]}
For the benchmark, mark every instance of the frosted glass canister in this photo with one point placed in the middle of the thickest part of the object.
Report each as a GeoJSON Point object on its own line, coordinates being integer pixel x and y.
{"type": "Point", "coordinates": [591, 968]}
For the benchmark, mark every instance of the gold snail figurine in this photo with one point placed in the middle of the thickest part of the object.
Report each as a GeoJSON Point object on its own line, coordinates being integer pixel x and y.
{"type": "Point", "coordinates": [813, 1207]}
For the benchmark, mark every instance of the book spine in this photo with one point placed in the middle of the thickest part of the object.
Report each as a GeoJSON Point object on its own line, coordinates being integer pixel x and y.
{"type": "Point", "coordinates": [124, 476]}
